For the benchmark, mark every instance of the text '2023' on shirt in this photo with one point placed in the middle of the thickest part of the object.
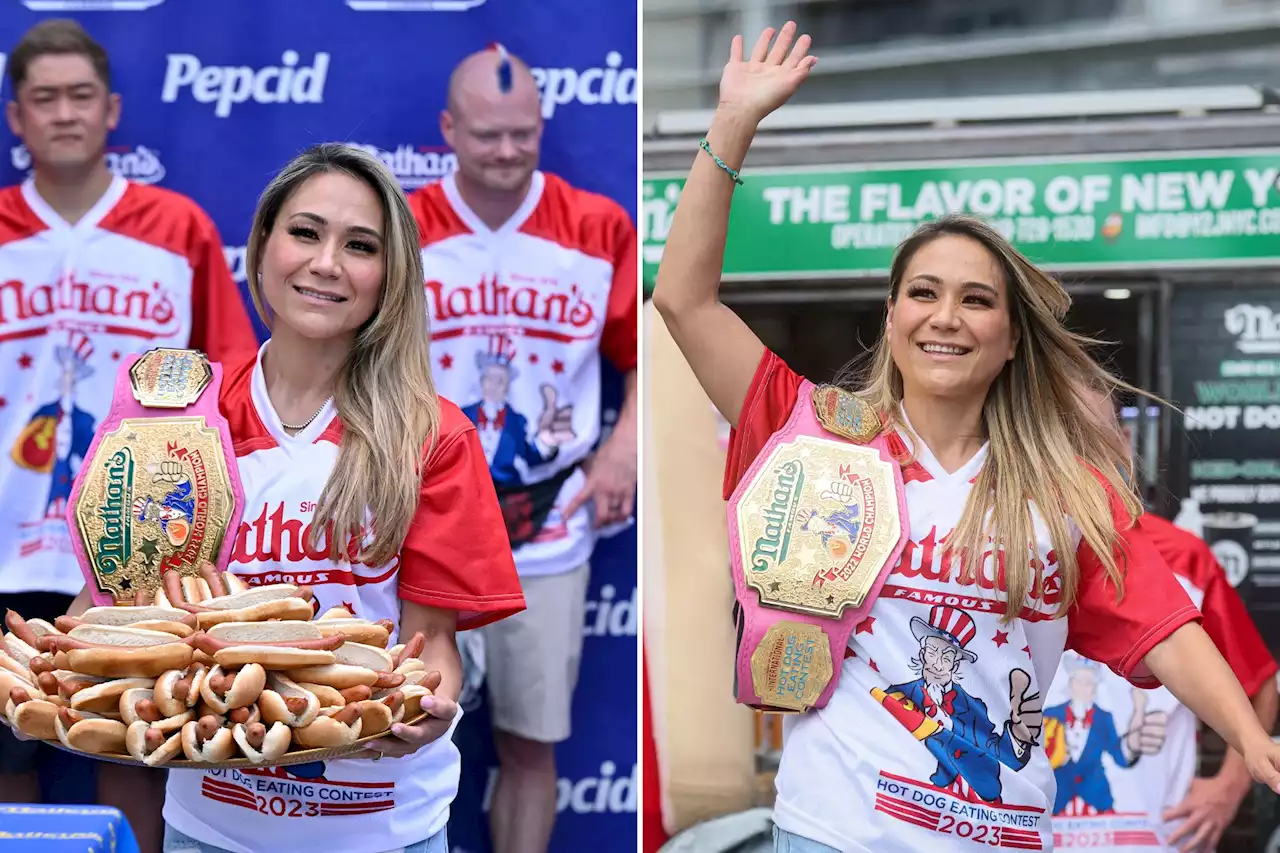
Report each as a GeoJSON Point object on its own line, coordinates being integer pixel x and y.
{"type": "Point", "coordinates": [143, 268]}
{"type": "Point", "coordinates": [1120, 755]}
{"type": "Point", "coordinates": [520, 318]}
{"type": "Point", "coordinates": [923, 744]}
{"type": "Point", "coordinates": [455, 557]}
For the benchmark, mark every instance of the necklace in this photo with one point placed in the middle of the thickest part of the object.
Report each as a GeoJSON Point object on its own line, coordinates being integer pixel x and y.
{"type": "Point", "coordinates": [307, 422]}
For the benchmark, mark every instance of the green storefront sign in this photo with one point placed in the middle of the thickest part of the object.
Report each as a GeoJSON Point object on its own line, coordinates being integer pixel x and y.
{"type": "Point", "coordinates": [1102, 213]}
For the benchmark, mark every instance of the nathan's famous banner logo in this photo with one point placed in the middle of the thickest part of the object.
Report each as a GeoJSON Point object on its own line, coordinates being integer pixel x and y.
{"type": "Point", "coordinates": [1085, 213]}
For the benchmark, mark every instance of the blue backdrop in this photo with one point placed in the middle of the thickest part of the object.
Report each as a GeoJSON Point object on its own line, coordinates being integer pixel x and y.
{"type": "Point", "coordinates": [218, 96]}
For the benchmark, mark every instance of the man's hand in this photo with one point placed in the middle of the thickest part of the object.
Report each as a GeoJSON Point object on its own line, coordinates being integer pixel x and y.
{"type": "Point", "coordinates": [1207, 810]}
{"type": "Point", "coordinates": [611, 481]}
{"type": "Point", "coordinates": [555, 424]}
{"type": "Point", "coordinates": [1146, 728]}
{"type": "Point", "coordinates": [1025, 717]}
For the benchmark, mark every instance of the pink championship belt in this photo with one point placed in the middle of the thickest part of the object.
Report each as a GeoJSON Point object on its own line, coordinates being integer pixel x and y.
{"type": "Point", "coordinates": [815, 527]}
{"type": "Point", "coordinates": [159, 488]}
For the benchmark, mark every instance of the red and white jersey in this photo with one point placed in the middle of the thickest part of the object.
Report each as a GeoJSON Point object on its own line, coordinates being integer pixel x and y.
{"type": "Point", "coordinates": [455, 557]}
{"type": "Point", "coordinates": [144, 268]}
{"type": "Point", "coordinates": [520, 317]}
{"type": "Point", "coordinates": [927, 742]}
{"type": "Point", "coordinates": [1121, 756]}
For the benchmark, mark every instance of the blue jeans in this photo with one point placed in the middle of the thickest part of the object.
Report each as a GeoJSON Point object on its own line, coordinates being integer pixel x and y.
{"type": "Point", "coordinates": [783, 842]}
{"type": "Point", "coordinates": [176, 842]}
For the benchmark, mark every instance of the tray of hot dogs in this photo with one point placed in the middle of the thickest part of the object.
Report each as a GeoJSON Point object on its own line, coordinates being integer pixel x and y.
{"type": "Point", "coordinates": [210, 673]}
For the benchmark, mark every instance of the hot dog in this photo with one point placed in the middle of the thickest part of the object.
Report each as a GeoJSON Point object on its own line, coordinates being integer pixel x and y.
{"type": "Point", "coordinates": [225, 690]}
{"type": "Point", "coordinates": [335, 613]}
{"type": "Point", "coordinates": [126, 615]}
{"type": "Point", "coordinates": [150, 745]}
{"type": "Point", "coordinates": [410, 650]}
{"type": "Point", "coordinates": [260, 744]}
{"type": "Point", "coordinates": [104, 698]}
{"type": "Point", "coordinates": [329, 697]}
{"type": "Point", "coordinates": [207, 741]}
{"type": "Point", "coordinates": [139, 704]}
{"type": "Point", "coordinates": [18, 627]}
{"type": "Point", "coordinates": [257, 604]}
{"type": "Point", "coordinates": [178, 629]}
{"type": "Point", "coordinates": [356, 630]}
{"type": "Point", "coordinates": [273, 645]}
{"type": "Point", "coordinates": [354, 664]}
{"type": "Point", "coordinates": [413, 696]}
{"type": "Point", "coordinates": [89, 733]}
{"type": "Point", "coordinates": [340, 728]}
{"type": "Point", "coordinates": [284, 701]}
{"type": "Point", "coordinates": [244, 716]}
{"type": "Point", "coordinates": [33, 717]}
{"type": "Point", "coordinates": [177, 691]}
{"type": "Point", "coordinates": [121, 652]}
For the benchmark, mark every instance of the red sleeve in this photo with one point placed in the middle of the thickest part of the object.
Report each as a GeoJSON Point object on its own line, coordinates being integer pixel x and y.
{"type": "Point", "coordinates": [1121, 633]}
{"type": "Point", "coordinates": [1228, 624]}
{"type": "Point", "coordinates": [618, 341]}
{"type": "Point", "coordinates": [769, 403]}
{"type": "Point", "coordinates": [457, 555]}
{"type": "Point", "coordinates": [220, 324]}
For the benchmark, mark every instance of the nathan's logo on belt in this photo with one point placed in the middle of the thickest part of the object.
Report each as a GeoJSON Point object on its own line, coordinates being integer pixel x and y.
{"type": "Point", "coordinates": [110, 553]}
{"type": "Point", "coordinates": [778, 516]}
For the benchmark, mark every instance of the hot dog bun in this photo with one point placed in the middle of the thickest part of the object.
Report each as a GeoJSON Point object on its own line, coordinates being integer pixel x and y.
{"type": "Point", "coordinates": [131, 662]}
{"type": "Point", "coordinates": [355, 630]}
{"type": "Point", "coordinates": [275, 708]}
{"type": "Point", "coordinates": [34, 718]}
{"type": "Point", "coordinates": [375, 717]}
{"type": "Point", "coordinates": [274, 744]}
{"type": "Point", "coordinates": [358, 654]}
{"type": "Point", "coordinates": [93, 735]}
{"type": "Point", "coordinates": [40, 627]}
{"type": "Point", "coordinates": [233, 583]}
{"type": "Point", "coordinates": [218, 748]}
{"type": "Point", "coordinates": [129, 700]}
{"type": "Point", "coordinates": [265, 632]}
{"type": "Point", "coordinates": [104, 698]}
{"type": "Point", "coordinates": [335, 613]}
{"type": "Point", "coordinates": [272, 657]}
{"type": "Point", "coordinates": [326, 732]}
{"type": "Point", "coordinates": [135, 742]}
{"type": "Point", "coordinates": [329, 697]}
{"type": "Point", "coordinates": [337, 675]}
{"type": "Point", "coordinates": [256, 604]}
{"type": "Point", "coordinates": [131, 615]}
{"type": "Point", "coordinates": [166, 697]}
{"type": "Point", "coordinates": [119, 635]}
{"type": "Point", "coordinates": [413, 696]}
{"type": "Point", "coordinates": [245, 688]}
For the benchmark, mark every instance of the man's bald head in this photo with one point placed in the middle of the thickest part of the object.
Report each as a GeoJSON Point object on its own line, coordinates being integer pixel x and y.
{"type": "Point", "coordinates": [481, 77]}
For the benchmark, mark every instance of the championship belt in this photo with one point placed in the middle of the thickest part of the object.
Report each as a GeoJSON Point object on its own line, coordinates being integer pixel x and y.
{"type": "Point", "coordinates": [815, 527]}
{"type": "Point", "coordinates": [159, 489]}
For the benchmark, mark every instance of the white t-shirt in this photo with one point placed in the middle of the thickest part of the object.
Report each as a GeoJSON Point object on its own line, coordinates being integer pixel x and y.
{"type": "Point", "coordinates": [520, 317]}
{"type": "Point", "coordinates": [454, 558]}
{"type": "Point", "coordinates": [1122, 756]}
{"type": "Point", "coordinates": [923, 745]}
{"type": "Point", "coordinates": [143, 268]}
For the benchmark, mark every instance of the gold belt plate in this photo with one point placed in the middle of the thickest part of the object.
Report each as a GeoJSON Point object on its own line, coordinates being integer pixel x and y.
{"type": "Point", "coordinates": [166, 378]}
{"type": "Point", "coordinates": [792, 665]}
{"type": "Point", "coordinates": [156, 495]}
{"type": "Point", "coordinates": [817, 524]}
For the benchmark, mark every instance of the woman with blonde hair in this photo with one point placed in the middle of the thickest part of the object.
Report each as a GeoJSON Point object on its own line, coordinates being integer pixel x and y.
{"type": "Point", "coordinates": [362, 484]}
{"type": "Point", "coordinates": [931, 738]}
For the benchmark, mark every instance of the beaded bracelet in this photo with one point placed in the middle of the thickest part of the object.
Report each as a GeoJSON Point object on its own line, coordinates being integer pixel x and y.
{"type": "Point", "coordinates": [733, 173]}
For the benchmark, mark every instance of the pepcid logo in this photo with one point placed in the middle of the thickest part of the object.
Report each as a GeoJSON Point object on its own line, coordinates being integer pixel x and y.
{"type": "Point", "coordinates": [413, 5]}
{"type": "Point", "coordinates": [139, 164]}
{"type": "Point", "coordinates": [610, 84]}
{"type": "Point", "coordinates": [90, 5]}
{"type": "Point", "coordinates": [235, 262]}
{"type": "Point", "coordinates": [603, 794]}
{"type": "Point", "coordinates": [228, 85]}
{"type": "Point", "coordinates": [610, 618]}
{"type": "Point", "coordinates": [414, 166]}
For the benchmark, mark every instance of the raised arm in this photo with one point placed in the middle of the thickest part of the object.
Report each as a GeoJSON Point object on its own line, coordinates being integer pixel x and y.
{"type": "Point", "coordinates": [719, 346]}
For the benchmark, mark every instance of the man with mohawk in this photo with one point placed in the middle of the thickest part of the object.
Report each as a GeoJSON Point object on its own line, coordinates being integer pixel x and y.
{"type": "Point", "coordinates": [516, 254]}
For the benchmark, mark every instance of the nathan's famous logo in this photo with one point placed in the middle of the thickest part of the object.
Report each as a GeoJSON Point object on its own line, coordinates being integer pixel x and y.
{"type": "Point", "coordinates": [570, 311]}
{"type": "Point", "coordinates": [1256, 327]}
{"type": "Point", "coordinates": [148, 306]}
{"type": "Point", "coordinates": [414, 166]}
{"type": "Point", "coordinates": [111, 551]}
{"type": "Point", "coordinates": [139, 164]}
{"type": "Point", "coordinates": [778, 516]}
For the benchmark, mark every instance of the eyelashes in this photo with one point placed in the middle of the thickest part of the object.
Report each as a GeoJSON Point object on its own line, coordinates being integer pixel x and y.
{"type": "Point", "coordinates": [304, 233]}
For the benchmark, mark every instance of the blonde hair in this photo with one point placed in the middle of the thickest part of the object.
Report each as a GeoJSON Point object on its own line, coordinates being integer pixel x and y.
{"type": "Point", "coordinates": [1045, 441]}
{"type": "Point", "coordinates": [385, 396]}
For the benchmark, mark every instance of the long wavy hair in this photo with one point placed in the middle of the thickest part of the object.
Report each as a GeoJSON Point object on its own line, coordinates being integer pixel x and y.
{"type": "Point", "coordinates": [1047, 447]}
{"type": "Point", "coordinates": [385, 396]}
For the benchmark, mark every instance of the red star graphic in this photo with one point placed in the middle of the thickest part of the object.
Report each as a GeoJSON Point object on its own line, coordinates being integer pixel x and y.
{"type": "Point", "coordinates": [115, 356]}
{"type": "Point", "coordinates": [349, 607]}
{"type": "Point", "coordinates": [872, 664]}
{"type": "Point", "coordinates": [849, 653]}
{"type": "Point", "coordinates": [25, 360]}
{"type": "Point", "coordinates": [865, 626]}
{"type": "Point", "coordinates": [557, 366]}
{"type": "Point", "coordinates": [446, 361]}
{"type": "Point", "coordinates": [533, 358]}
{"type": "Point", "coordinates": [1002, 637]}
{"type": "Point", "coordinates": [1027, 649]}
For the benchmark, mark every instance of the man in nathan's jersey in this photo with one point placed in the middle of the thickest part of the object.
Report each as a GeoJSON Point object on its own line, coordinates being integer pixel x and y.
{"type": "Point", "coordinates": [92, 269]}
{"type": "Point", "coordinates": [531, 283]}
{"type": "Point", "coordinates": [1125, 759]}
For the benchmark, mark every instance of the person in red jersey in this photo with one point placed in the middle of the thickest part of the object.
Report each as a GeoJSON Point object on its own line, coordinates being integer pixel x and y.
{"type": "Point", "coordinates": [532, 286]}
{"type": "Point", "coordinates": [363, 484]}
{"type": "Point", "coordinates": [92, 268]}
{"type": "Point", "coordinates": [1021, 534]}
